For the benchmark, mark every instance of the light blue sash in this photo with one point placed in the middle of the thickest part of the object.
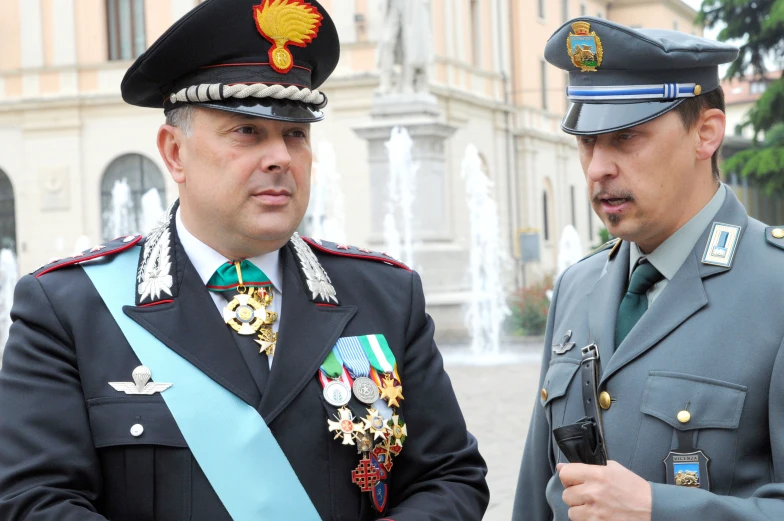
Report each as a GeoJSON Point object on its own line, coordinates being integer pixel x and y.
{"type": "Point", "coordinates": [234, 447]}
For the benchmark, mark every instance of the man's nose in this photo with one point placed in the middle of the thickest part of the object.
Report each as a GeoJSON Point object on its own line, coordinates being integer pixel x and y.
{"type": "Point", "coordinates": [602, 163]}
{"type": "Point", "coordinates": [276, 156]}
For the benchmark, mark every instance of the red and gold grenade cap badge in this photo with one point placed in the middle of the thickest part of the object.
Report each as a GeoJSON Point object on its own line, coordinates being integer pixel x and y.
{"type": "Point", "coordinates": [285, 23]}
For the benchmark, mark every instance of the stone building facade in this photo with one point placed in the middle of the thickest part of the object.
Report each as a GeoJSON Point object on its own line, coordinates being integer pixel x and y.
{"type": "Point", "coordinates": [66, 137]}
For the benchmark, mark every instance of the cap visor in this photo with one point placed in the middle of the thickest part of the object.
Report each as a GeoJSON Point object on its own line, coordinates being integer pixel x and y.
{"type": "Point", "coordinates": [599, 118]}
{"type": "Point", "coordinates": [280, 110]}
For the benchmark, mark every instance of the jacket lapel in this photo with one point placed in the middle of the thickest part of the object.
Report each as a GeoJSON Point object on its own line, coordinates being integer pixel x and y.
{"type": "Point", "coordinates": [307, 333]}
{"type": "Point", "coordinates": [188, 323]}
{"type": "Point", "coordinates": [603, 301]}
{"type": "Point", "coordinates": [684, 295]}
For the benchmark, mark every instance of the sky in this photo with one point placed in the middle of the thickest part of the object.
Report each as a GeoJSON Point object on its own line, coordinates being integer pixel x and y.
{"type": "Point", "coordinates": [695, 4]}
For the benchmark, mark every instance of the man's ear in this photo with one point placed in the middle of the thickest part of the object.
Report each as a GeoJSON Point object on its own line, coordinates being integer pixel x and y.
{"type": "Point", "coordinates": [170, 143]}
{"type": "Point", "coordinates": [710, 133]}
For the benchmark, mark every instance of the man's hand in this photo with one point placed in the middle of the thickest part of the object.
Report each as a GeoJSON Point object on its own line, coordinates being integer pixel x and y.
{"type": "Point", "coordinates": [599, 493]}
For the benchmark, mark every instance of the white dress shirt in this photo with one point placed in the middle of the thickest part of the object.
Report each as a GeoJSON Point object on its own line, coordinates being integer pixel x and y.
{"type": "Point", "coordinates": [206, 261]}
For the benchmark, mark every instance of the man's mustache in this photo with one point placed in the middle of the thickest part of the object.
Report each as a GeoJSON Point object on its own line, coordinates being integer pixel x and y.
{"type": "Point", "coordinates": [600, 194]}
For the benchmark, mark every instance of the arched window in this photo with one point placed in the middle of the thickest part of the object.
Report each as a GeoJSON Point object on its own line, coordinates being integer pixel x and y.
{"type": "Point", "coordinates": [133, 194]}
{"type": "Point", "coordinates": [7, 214]}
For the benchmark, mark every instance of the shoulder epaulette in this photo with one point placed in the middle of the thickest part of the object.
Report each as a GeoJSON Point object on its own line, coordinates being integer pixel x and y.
{"type": "Point", "coordinates": [102, 250]}
{"type": "Point", "coordinates": [775, 236]}
{"type": "Point", "coordinates": [344, 250]}
{"type": "Point", "coordinates": [611, 245]}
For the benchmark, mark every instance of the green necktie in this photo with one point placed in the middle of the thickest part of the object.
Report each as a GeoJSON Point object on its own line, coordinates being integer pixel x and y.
{"type": "Point", "coordinates": [635, 302]}
{"type": "Point", "coordinates": [226, 278]}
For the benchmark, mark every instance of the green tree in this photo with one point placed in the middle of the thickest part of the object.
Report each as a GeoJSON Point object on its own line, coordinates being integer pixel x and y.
{"type": "Point", "coordinates": [760, 25]}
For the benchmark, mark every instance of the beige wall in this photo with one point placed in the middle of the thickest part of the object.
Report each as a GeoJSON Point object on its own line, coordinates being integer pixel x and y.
{"type": "Point", "coordinates": [669, 14]}
{"type": "Point", "coordinates": [10, 28]}
{"type": "Point", "coordinates": [61, 124]}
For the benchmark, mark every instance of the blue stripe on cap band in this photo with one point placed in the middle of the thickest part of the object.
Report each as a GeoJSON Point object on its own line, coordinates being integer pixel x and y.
{"type": "Point", "coordinates": [631, 92]}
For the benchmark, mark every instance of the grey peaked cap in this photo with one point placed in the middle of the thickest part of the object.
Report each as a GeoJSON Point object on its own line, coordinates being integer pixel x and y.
{"type": "Point", "coordinates": [635, 57]}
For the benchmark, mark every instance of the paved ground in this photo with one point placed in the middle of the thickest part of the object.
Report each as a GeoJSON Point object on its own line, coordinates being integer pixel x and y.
{"type": "Point", "coordinates": [497, 397]}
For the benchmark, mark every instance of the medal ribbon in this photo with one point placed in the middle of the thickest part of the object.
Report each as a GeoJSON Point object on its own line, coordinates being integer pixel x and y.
{"type": "Point", "coordinates": [378, 352]}
{"type": "Point", "coordinates": [332, 369]}
{"type": "Point", "coordinates": [332, 366]}
{"type": "Point", "coordinates": [353, 355]}
{"type": "Point", "coordinates": [226, 277]}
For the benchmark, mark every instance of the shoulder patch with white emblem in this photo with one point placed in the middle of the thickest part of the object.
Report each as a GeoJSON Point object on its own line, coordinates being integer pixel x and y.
{"type": "Point", "coordinates": [102, 250]}
{"type": "Point", "coordinates": [344, 250]}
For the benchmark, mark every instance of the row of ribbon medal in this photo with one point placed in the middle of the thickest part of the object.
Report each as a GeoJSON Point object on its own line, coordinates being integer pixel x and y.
{"type": "Point", "coordinates": [365, 367]}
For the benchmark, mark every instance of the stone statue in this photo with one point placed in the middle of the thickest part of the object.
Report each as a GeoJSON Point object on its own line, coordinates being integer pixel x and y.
{"type": "Point", "coordinates": [406, 41]}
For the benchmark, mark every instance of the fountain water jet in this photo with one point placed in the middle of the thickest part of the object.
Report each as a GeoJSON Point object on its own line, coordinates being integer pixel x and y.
{"type": "Point", "coordinates": [119, 216]}
{"type": "Point", "coordinates": [152, 209]}
{"type": "Point", "coordinates": [326, 212]}
{"type": "Point", "coordinates": [570, 249]}
{"type": "Point", "coordinates": [9, 274]}
{"type": "Point", "coordinates": [487, 308]}
{"type": "Point", "coordinates": [401, 187]}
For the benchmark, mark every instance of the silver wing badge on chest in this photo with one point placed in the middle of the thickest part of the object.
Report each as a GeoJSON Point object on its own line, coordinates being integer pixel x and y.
{"type": "Point", "coordinates": [141, 383]}
{"type": "Point", "coordinates": [565, 345]}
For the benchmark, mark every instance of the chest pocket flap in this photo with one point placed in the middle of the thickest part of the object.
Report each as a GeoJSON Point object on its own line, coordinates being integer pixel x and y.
{"type": "Point", "coordinates": [711, 404]}
{"type": "Point", "coordinates": [133, 420]}
{"type": "Point", "coordinates": [557, 379]}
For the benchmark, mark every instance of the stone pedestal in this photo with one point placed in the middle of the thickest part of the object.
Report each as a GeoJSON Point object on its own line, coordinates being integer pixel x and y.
{"type": "Point", "coordinates": [419, 115]}
{"type": "Point", "coordinates": [442, 262]}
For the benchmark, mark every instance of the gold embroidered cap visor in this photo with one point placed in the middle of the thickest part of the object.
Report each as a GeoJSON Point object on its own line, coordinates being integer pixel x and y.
{"type": "Point", "coordinates": [264, 58]}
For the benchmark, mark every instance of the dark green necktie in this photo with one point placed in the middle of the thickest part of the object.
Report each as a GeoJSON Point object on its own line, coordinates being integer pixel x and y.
{"type": "Point", "coordinates": [635, 302]}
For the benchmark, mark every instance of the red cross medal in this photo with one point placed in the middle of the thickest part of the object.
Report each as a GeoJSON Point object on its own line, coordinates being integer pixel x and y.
{"type": "Point", "coordinates": [366, 475]}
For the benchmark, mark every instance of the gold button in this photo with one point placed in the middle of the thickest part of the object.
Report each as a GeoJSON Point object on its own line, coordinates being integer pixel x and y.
{"type": "Point", "coordinates": [778, 233]}
{"type": "Point", "coordinates": [684, 416]}
{"type": "Point", "coordinates": [605, 400]}
{"type": "Point", "coordinates": [697, 90]}
{"type": "Point", "coordinates": [544, 395]}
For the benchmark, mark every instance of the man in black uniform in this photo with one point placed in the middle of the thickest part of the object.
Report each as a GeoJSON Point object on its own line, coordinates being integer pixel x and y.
{"type": "Point", "coordinates": [223, 367]}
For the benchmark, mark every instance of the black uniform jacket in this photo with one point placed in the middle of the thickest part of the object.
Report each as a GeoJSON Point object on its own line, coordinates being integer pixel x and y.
{"type": "Point", "coordinates": [66, 450]}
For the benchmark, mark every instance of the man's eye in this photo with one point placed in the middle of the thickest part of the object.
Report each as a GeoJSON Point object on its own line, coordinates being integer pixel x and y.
{"type": "Point", "coordinates": [298, 133]}
{"type": "Point", "coordinates": [587, 141]}
{"type": "Point", "coordinates": [246, 130]}
{"type": "Point", "coordinates": [625, 137]}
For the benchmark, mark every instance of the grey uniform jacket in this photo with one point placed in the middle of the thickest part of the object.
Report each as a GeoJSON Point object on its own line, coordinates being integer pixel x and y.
{"type": "Point", "coordinates": [711, 343]}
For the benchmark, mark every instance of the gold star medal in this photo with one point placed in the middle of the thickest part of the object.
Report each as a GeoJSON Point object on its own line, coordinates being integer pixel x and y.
{"type": "Point", "coordinates": [391, 392]}
{"type": "Point", "coordinates": [345, 426]}
{"type": "Point", "coordinates": [375, 424]}
{"type": "Point", "coordinates": [399, 430]}
{"type": "Point", "coordinates": [245, 314]}
{"type": "Point", "coordinates": [267, 340]}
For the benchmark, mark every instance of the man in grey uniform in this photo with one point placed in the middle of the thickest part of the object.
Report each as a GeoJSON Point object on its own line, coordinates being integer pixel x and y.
{"type": "Point", "coordinates": [685, 308]}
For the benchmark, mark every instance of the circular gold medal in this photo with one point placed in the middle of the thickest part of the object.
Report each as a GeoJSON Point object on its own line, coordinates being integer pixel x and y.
{"type": "Point", "coordinates": [245, 314]}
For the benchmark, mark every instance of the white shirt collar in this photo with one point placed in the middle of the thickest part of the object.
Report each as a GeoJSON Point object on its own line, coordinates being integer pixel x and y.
{"type": "Point", "coordinates": [206, 260]}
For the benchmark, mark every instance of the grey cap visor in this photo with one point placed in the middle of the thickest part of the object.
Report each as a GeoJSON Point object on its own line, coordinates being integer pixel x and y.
{"type": "Point", "coordinates": [278, 110]}
{"type": "Point", "coordinates": [600, 118]}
